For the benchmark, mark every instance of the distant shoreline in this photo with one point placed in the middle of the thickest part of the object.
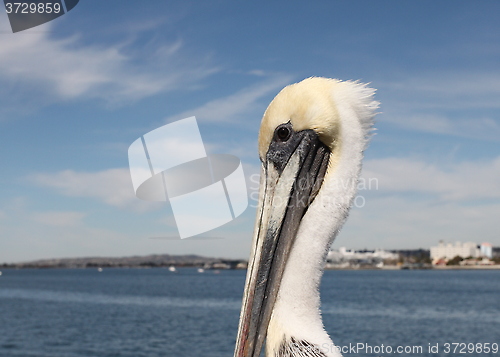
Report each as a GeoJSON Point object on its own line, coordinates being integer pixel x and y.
{"type": "Point", "coordinates": [196, 261]}
{"type": "Point", "coordinates": [446, 267]}
{"type": "Point", "coordinates": [148, 261]}
{"type": "Point", "coordinates": [467, 267]}
{"type": "Point", "coordinates": [224, 266]}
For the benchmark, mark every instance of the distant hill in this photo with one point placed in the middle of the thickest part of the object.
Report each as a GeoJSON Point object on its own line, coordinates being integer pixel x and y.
{"type": "Point", "coordinates": [164, 260]}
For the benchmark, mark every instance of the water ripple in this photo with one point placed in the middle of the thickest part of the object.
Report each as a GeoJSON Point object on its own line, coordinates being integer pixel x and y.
{"type": "Point", "coordinates": [155, 301]}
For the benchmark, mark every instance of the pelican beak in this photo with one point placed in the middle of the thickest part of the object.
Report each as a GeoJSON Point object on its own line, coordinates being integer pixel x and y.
{"type": "Point", "coordinates": [292, 173]}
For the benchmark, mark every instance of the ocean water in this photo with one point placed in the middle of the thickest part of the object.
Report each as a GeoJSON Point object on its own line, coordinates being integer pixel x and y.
{"type": "Point", "coordinates": [155, 312]}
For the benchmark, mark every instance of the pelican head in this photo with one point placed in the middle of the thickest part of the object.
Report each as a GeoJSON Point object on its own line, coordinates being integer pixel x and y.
{"type": "Point", "coordinates": [311, 144]}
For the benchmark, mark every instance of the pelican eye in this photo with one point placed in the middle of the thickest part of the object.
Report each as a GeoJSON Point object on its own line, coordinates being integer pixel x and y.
{"type": "Point", "coordinates": [283, 133]}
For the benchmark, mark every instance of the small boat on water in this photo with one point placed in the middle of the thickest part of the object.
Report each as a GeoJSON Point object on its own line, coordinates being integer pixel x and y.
{"type": "Point", "coordinates": [172, 269]}
{"type": "Point", "coordinates": [201, 270]}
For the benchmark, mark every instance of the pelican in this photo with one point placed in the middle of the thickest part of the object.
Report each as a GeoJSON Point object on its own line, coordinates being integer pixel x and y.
{"type": "Point", "coordinates": [311, 143]}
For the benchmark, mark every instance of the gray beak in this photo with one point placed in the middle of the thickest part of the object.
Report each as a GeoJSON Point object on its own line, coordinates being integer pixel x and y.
{"type": "Point", "coordinates": [292, 174]}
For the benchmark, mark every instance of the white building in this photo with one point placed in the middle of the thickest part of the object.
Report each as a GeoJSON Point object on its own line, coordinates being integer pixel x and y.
{"type": "Point", "coordinates": [487, 250]}
{"type": "Point", "coordinates": [464, 250]}
{"type": "Point", "coordinates": [345, 255]}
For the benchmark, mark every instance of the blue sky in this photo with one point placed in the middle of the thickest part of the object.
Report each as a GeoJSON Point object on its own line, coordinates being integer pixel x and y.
{"type": "Point", "coordinates": [76, 92]}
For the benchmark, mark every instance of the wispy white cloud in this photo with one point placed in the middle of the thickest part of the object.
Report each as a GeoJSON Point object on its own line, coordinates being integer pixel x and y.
{"type": "Point", "coordinates": [39, 240]}
{"type": "Point", "coordinates": [27, 235]}
{"type": "Point", "coordinates": [234, 106]}
{"type": "Point", "coordinates": [464, 181]}
{"type": "Point", "coordinates": [474, 128]}
{"type": "Point", "coordinates": [398, 222]}
{"type": "Point", "coordinates": [457, 103]}
{"type": "Point", "coordinates": [67, 68]}
{"type": "Point", "coordinates": [453, 89]}
{"type": "Point", "coordinates": [59, 219]}
{"type": "Point", "coordinates": [112, 187]}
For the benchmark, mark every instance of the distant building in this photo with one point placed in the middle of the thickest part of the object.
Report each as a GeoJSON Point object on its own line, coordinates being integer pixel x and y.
{"type": "Point", "coordinates": [464, 250]}
{"type": "Point", "coordinates": [481, 261]}
{"type": "Point", "coordinates": [487, 250]}
{"type": "Point", "coordinates": [350, 255]}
